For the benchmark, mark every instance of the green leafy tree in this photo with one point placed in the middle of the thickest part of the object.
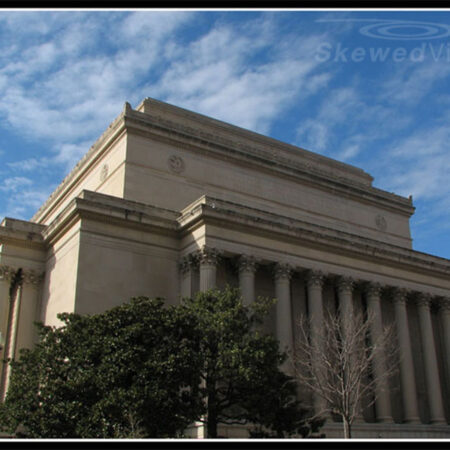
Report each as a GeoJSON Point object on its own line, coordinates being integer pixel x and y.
{"type": "Point", "coordinates": [241, 378]}
{"type": "Point", "coordinates": [132, 371]}
{"type": "Point", "coordinates": [143, 370]}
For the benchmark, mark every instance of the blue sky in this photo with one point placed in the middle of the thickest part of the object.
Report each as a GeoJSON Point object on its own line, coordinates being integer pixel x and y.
{"type": "Point", "coordinates": [370, 88]}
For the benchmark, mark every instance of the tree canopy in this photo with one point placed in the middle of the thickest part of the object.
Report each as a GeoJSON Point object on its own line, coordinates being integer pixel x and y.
{"type": "Point", "coordinates": [115, 374]}
{"type": "Point", "coordinates": [146, 370]}
{"type": "Point", "coordinates": [241, 378]}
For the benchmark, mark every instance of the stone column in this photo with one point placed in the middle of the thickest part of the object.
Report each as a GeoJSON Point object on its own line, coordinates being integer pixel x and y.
{"type": "Point", "coordinates": [408, 379]}
{"type": "Point", "coordinates": [5, 283]}
{"type": "Point", "coordinates": [6, 274]}
{"type": "Point", "coordinates": [345, 294]}
{"type": "Point", "coordinates": [29, 310]}
{"type": "Point", "coordinates": [208, 258]}
{"type": "Point", "coordinates": [430, 359]}
{"type": "Point", "coordinates": [188, 265]}
{"type": "Point", "coordinates": [247, 269]}
{"type": "Point", "coordinates": [282, 274]}
{"type": "Point", "coordinates": [345, 287]}
{"type": "Point", "coordinates": [314, 283]}
{"type": "Point", "coordinates": [11, 335]}
{"type": "Point", "coordinates": [444, 308]}
{"type": "Point", "coordinates": [382, 400]}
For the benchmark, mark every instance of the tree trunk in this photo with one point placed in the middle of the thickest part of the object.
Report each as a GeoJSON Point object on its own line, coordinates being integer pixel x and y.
{"type": "Point", "coordinates": [211, 427]}
{"type": "Point", "coordinates": [347, 428]}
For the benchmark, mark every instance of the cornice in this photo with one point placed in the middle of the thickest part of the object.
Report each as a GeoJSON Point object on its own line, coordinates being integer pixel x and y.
{"type": "Point", "coordinates": [223, 212]}
{"type": "Point", "coordinates": [20, 232]}
{"type": "Point", "coordinates": [113, 210]}
{"type": "Point", "coordinates": [264, 153]}
{"type": "Point", "coordinates": [90, 157]}
{"type": "Point", "coordinates": [201, 139]}
{"type": "Point", "coordinates": [208, 127]}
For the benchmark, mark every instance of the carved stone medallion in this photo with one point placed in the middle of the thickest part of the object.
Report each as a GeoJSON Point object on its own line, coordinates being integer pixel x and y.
{"type": "Point", "coordinates": [104, 172]}
{"type": "Point", "coordinates": [176, 164]}
{"type": "Point", "coordinates": [380, 222]}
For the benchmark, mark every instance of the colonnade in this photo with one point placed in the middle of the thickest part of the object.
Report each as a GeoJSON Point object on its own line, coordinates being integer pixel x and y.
{"type": "Point", "coordinates": [206, 261]}
{"type": "Point", "coordinates": [19, 309]}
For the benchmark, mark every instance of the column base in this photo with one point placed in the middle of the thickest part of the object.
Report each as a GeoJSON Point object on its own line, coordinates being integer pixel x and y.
{"type": "Point", "coordinates": [438, 421]}
{"type": "Point", "coordinates": [385, 419]}
{"type": "Point", "coordinates": [412, 420]}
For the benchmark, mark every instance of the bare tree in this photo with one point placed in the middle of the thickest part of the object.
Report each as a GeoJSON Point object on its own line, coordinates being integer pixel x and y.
{"type": "Point", "coordinates": [338, 366]}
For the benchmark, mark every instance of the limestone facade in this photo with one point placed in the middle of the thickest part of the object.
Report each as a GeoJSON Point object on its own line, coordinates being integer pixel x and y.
{"type": "Point", "coordinates": [168, 202]}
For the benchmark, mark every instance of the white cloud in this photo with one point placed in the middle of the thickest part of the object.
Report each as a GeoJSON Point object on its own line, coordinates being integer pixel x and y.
{"type": "Point", "coordinates": [28, 165]}
{"type": "Point", "coordinates": [420, 164]}
{"type": "Point", "coordinates": [412, 81]}
{"type": "Point", "coordinates": [13, 184]}
{"type": "Point", "coordinates": [213, 76]}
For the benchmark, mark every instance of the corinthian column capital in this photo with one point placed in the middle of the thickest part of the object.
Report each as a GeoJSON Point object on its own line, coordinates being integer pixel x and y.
{"type": "Point", "coordinates": [373, 290]}
{"type": "Point", "coordinates": [424, 299]}
{"type": "Point", "coordinates": [6, 272]}
{"type": "Point", "coordinates": [345, 284]}
{"type": "Point", "coordinates": [208, 256]}
{"type": "Point", "coordinates": [32, 277]}
{"type": "Point", "coordinates": [400, 295]}
{"type": "Point", "coordinates": [315, 278]}
{"type": "Point", "coordinates": [444, 305]}
{"type": "Point", "coordinates": [188, 263]}
{"type": "Point", "coordinates": [282, 271]}
{"type": "Point", "coordinates": [247, 263]}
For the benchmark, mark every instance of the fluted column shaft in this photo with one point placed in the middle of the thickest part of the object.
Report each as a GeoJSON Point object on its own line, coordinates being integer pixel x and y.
{"type": "Point", "coordinates": [314, 283]}
{"type": "Point", "coordinates": [408, 379]}
{"type": "Point", "coordinates": [29, 310]}
{"type": "Point", "coordinates": [382, 400]}
{"type": "Point", "coordinates": [247, 269]}
{"type": "Point", "coordinates": [346, 312]}
{"type": "Point", "coordinates": [188, 266]}
{"type": "Point", "coordinates": [208, 258]}
{"type": "Point", "coordinates": [6, 274]}
{"type": "Point", "coordinates": [431, 366]}
{"type": "Point", "coordinates": [445, 318]}
{"type": "Point", "coordinates": [5, 283]}
{"type": "Point", "coordinates": [282, 275]}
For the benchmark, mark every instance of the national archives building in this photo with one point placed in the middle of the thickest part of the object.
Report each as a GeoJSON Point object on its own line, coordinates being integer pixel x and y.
{"type": "Point", "coordinates": [168, 202]}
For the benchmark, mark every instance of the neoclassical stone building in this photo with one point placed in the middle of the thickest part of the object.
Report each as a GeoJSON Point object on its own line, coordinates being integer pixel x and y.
{"type": "Point", "coordinates": [168, 202]}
